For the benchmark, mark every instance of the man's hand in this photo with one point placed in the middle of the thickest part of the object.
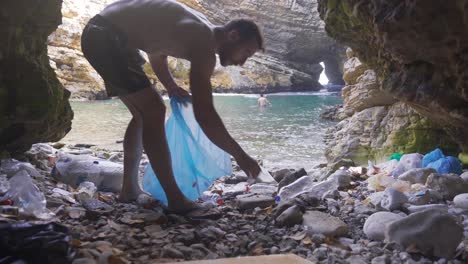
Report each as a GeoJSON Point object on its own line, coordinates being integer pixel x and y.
{"type": "Point", "coordinates": [175, 90]}
{"type": "Point", "coordinates": [249, 165]}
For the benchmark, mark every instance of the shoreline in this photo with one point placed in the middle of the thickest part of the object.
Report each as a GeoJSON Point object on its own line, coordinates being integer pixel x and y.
{"type": "Point", "coordinates": [322, 91]}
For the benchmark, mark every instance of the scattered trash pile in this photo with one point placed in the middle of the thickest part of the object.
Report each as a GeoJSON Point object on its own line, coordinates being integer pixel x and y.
{"type": "Point", "coordinates": [62, 206]}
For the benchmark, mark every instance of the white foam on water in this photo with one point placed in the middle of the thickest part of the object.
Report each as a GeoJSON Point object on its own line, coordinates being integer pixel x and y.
{"type": "Point", "coordinates": [237, 94]}
{"type": "Point", "coordinates": [322, 92]}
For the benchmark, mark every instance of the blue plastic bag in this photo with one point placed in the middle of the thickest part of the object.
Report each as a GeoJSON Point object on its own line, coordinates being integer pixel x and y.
{"type": "Point", "coordinates": [446, 165]}
{"type": "Point", "coordinates": [196, 161]}
{"type": "Point", "coordinates": [432, 156]}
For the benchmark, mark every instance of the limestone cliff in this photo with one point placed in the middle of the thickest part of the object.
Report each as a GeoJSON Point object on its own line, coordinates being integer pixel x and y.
{"type": "Point", "coordinates": [33, 104]}
{"type": "Point", "coordinates": [375, 124]}
{"type": "Point", "coordinates": [72, 69]}
{"type": "Point", "coordinates": [419, 50]}
{"type": "Point", "coordinates": [295, 38]}
{"type": "Point", "coordinates": [293, 31]}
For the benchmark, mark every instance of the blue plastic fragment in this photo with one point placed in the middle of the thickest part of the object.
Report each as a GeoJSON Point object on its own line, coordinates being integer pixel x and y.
{"type": "Point", "coordinates": [277, 199]}
{"type": "Point", "coordinates": [432, 156]}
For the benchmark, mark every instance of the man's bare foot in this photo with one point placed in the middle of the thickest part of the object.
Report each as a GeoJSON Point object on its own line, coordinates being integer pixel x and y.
{"type": "Point", "coordinates": [129, 195]}
{"type": "Point", "coordinates": [195, 211]}
{"type": "Point", "coordinates": [183, 206]}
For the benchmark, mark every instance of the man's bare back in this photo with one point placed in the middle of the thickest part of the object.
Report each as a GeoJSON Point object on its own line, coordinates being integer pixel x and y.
{"type": "Point", "coordinates": [162, 27]}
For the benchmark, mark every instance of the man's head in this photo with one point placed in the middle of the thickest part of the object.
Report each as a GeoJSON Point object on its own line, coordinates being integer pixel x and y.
{"type": "Point", "coordinates": [241, 38]}
{"type": "Point", "coordinates": [261, 95]}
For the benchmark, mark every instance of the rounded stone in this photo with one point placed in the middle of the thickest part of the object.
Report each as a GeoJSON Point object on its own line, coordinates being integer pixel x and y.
{"type": "Point", "coordinates": [461, 201]}
{"type": "Point", "coordinates": [430, 232]}
{"type": "Point", "coordinates": [464, 176]}
{"type": "Point", "coordinates": [376, 224]}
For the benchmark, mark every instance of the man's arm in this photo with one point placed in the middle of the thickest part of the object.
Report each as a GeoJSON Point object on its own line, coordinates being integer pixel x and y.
{"type": "Point", "coordinates": [161, 69]}
{"type": "Point", "coordinates": [207, 117]}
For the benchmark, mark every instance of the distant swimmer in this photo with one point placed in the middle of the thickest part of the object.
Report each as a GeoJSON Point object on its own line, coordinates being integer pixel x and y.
{"type": "Point", "coordinates": [263, 102]}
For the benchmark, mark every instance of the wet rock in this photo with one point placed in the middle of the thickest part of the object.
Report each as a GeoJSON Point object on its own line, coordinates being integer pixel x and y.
{"type": "Point", "coordinates": [321, 223]}
{"type": "Point", "coordinates": [343, 163]}
{"type": "Point", "coordinates": [421, 198]}
{"type": "Point", "coordinates": [362, 209]}
{"type": "Point", "coordinates": [238, 177]}
{"type": "Point", "coordinates": [376, 225]}
{"type": "Point", "coordinates": [153, 229]}
{"type": "Point", "coordinates": [393, 199]}
{"type": "Point", "coordinates": [342, 178]}
{"type": "Point", "coordinates": [356, 259]}
{"type": "Point", "coordinates": [86, 190]}
{"type": "Point", "coordinates": [376, 198]}
{"type": "Point", "coordinates": [290, 217]}
{"type": "Point", "coordinates": [211, 233]}
{"type": "Point", "coordinates": [464, 176]}
{"type": "Point", "coordinates": [381, 260]}
{"type": "Point", "coordinates": [171, 252]}
{"type": "Point", "coordinates": [432, 232]}
{"type": "Point", "coordinates": [95, 208]}
{"type": "Point", "coordinates": [84, 261]}
{"type": "Point", "coordinates": [281, 207]}
{"type": "Point", "coordinates": [280, 174]}
{"type": "Point", "coordinates": [307, 200]}
{"type": "Point", "coordinates": [331, 194]}
{"type": "Point", "coordinates": [116, 157]}
{"type": "Point", "coordinates": [448, 185]}
{"type": "Point", "coordinates": [253, 201]}
{"type": "Point", "coordinates": [292, 177]}
{"type": "Point", "coordinates": [151, 217]}
{"type": "Point", "coordinates": [274, 250]}
{"type": "Point", "coordinates": [417, 175]}
{"type": "Point", "coordinates": [461, 201]}
{"type": "Point", "coordinates": [40, 151]}
{"type": "Point", "coordinates": [419, 208]}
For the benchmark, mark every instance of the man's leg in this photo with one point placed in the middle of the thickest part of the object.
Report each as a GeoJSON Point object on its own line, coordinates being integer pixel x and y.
{"type": "Point", "coordinates": [150, 106]}
{"type": "Point", "coordinates": [133, 149]}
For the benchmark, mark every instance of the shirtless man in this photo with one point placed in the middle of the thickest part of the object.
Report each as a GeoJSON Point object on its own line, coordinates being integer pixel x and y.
{"type": "Point", "coordinates": [111, 42]}
{"type": "Point", "coordinates": [262, 101]}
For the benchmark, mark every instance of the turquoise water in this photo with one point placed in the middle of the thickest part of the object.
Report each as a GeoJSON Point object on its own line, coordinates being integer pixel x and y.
{"type": "Point", "coordinates": [289, 133]}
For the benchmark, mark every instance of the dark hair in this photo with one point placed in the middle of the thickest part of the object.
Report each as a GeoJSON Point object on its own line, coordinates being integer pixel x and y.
{"type": "Point", "coordinates": [247, 30]}
{"type": "Point", "coordinates": [261, 95]}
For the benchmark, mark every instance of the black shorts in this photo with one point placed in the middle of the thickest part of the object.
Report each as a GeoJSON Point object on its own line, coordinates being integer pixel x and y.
{"type": "Point", "coordinates": [121, 68]}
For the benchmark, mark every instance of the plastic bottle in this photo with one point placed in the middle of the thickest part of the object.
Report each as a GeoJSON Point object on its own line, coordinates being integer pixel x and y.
{"type": "Point", "coordinates": [4, 184]}
{"type": "Point", "coordinates": [214, 199]}
{"type": "Point", "coordinates": [73, 170]}
{"type": "Point", "coordinates": [301, 185]}
{"type": "Point", "coordinates": [263, 177]}
{"type": "Point", "coordinates": [26, 195]}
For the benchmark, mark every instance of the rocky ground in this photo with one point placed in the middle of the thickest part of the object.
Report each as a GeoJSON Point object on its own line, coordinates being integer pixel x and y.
{"type": "Point", "coordinates": [335, 214]}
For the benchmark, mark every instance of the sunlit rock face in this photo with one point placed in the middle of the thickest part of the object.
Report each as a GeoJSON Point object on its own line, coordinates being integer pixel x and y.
{"type": "Point", "coordinates": [376, 124]}
{"type": "Point", "coordinates": [33, 103]}
{"type": "Point", "coordinates": [72, 69]}
{"type": "Point", "coordinates": [296, 43]}
{"type": "Point", "coordinates": [293, 31]}
{"type": "Point", "coordinates": [419, 50]}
